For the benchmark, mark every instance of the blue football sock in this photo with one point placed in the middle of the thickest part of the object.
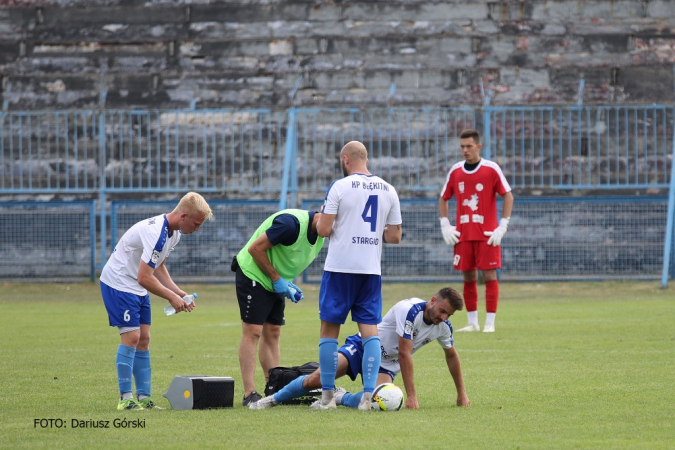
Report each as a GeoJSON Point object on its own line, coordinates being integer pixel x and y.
{"type": "Point", "coordinates": [352, 400]}
{"type": "Point", "coordinates": [328, 361]}
{"type": "Point", "coordinates": [370, 365]}
{"type": "Point", "coordinates": [291, 390]}
{"type": "Point", "coordinates": [143, 373]}
{"type": "Point", "coordinates": [125, 362]}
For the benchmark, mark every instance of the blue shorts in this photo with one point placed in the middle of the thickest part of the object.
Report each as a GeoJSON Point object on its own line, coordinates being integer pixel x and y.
{"type": "Point", "coordinates": [353, 351]}
{"type": "Point", "coordinates": [341, 293]}
{"type": "Point", "coordinates": [125, 309]}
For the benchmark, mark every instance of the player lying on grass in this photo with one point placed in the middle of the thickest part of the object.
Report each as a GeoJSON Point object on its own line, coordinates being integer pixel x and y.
{"type": "Point", "coordinates": [408, 326]}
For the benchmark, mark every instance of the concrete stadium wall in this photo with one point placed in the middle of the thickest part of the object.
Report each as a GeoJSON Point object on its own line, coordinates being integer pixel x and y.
{"type": "Point", "coordinates": [205, 54]}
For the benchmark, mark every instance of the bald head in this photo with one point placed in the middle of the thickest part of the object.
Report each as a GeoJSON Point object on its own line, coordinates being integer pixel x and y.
{"type": "Point", "coordinates": [355, 150]}
{"type": "Point", "coordinates": [354, 158]}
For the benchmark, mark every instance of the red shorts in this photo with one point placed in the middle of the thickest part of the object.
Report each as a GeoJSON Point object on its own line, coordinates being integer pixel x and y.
{"type": "Point", "coordinates": [470, 255]}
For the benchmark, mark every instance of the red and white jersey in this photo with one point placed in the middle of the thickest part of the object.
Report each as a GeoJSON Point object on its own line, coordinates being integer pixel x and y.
{"type": "Point", "coordinates": [476, 195]}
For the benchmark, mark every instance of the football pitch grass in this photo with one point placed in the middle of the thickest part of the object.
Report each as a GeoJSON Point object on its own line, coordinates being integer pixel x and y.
{"type": "Point", "coordinates": [572, 365]}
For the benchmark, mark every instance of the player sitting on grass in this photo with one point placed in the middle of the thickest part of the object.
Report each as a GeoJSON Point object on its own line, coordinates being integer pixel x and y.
{"type": "Point", "coordinates": [408, 326]}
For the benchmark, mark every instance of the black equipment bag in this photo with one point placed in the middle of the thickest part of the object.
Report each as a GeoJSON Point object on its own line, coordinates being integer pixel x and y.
{"type": "Point", "coordinates": [281, 376]}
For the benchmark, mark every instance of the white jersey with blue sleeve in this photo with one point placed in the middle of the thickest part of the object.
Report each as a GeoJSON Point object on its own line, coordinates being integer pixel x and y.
{"type": "Point", "coordinates": [364, 205]}
{"type": "Point", "coordinates": [148, 242]}
{"type": "Point", "coordinates": [406, 319]}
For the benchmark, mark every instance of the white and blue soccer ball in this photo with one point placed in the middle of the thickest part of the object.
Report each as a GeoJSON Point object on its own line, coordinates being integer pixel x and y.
{"type": "Point", "coordinates": [387, 397]}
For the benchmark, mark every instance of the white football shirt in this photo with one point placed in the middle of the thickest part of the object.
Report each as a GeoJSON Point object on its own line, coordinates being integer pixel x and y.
{"type": "Point", "coordinates": [406, 319]}
{"type": "Point", "coordinates": [364, 204]}
{"type": "Point", "coordinates": [147, 241]}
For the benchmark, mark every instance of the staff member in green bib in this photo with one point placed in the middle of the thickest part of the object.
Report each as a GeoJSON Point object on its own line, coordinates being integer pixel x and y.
{"type": "Point", "coordinates": [279, 250]}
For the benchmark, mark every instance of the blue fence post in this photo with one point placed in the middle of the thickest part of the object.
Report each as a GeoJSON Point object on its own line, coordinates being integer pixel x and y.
{"type": "Point", "coordinates": [294, 166]}
{"type": "Point", "coordinates": [487, 141]}
{"type": "Point", "coordinates": [102, 187]}
{"type": "Point", "coordinates": [290, 143]}
{"type": "Point", "coordinates": [290, 169]}
{"type": "Point", "coordinates": [668, 244]}
{"type": "Point", "coordinates": [114, 220]}
{"type": "Point", "coordinates": [92, 240]}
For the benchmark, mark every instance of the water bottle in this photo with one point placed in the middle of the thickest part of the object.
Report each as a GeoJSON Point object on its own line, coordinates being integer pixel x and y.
{"type": "Point", "coordinates": [297, 295]}
{"type": "Point", "coordinates": [170, 311]}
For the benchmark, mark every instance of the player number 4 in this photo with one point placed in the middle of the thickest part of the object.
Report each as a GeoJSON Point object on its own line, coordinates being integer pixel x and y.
{"type": "Point", "coordinates": [370, 212]}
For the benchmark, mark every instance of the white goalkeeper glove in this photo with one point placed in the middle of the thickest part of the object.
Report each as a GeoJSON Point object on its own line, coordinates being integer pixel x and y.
{"type": "Point", "coordinates": [450, 233]}
{"type": "Point", "coordinates": [499, 232]}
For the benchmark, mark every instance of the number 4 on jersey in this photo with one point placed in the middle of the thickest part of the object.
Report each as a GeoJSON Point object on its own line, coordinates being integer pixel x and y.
{"type": "Point", "coordinates": [370, 212]}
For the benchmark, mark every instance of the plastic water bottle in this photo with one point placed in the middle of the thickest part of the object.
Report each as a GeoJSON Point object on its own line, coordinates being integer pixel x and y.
{"type": "Point", "coordinates": [170, 311]}
{"type": "Point", "coordinates": [297, 295]}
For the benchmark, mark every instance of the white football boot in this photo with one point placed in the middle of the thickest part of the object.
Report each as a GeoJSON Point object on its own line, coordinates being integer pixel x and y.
{"type": "Point", "coordinates": [470, 327]}
{"type": "Point", "coordinates": [318, 406]}
{"type": "Point", "coordinates": [339, 393]}
{"type": "Point", "coordinates": [263, 403]}
{"type": "Point", "coordinates": [366, 402]}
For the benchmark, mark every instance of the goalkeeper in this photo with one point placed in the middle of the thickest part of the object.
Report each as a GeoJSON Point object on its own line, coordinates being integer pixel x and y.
{"type": "Point", "coordinates": [477, 236]}
{"type": "Point", "coordinates": [279, 250]}
{"type": "Point", "coordinates": [408, 326]}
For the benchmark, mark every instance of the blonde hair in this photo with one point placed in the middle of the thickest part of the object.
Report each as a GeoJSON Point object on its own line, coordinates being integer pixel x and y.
{"type": "Point", "coordinates": [193, 202]}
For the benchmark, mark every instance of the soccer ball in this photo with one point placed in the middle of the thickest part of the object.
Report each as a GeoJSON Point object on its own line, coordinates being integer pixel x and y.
{"type": "Point", "coordinates": [387, 397]}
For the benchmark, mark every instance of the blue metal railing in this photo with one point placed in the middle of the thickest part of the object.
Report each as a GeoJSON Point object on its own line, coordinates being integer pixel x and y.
{"type": "Point", "coordinates": [283, 154]}
{"type": "Point", "coordinates": [549, 238]}
{"type": "Point", "coordinates": [47, 240]}
{"type": "Point", "coordinates": [295, 151]}
{"type": "Point", "coordinates": [591, 147]}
